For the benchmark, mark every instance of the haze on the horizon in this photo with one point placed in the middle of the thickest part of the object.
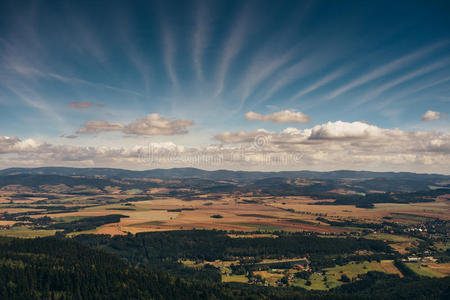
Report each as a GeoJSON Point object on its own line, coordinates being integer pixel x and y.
{"type": "Point", "coordinates": [249, 85]}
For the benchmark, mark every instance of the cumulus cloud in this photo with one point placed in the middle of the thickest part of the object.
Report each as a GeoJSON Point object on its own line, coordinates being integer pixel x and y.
{"type": "Point", "coordinates": [80, 105]}
{"type": "Point", "coordinates": [357, 137]}
{"type": "Point", "coordinates": [7, 143]}
{"type": "Point", "coordinates": [153, 124]}
{"type": "Point", "coordinates": [344, 130]}
{"type": "Point", "coordinates": [329, 131]}
{"type": "Point", "coordinates": [328, 146]}
{"type": "Point", "coordinates": [285, 116]}
{"type": "Point", "coordinates": [229, 137]}
{"type": "Point", "coordinates": [431, 115]}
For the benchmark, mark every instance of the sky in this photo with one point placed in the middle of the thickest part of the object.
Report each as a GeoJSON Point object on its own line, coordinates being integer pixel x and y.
{"type": "Point", "coordinates": [243, 85]}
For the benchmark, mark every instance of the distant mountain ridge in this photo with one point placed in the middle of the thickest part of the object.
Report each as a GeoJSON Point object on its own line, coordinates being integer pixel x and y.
{"type": "Point", "coordinates": [240, 176]}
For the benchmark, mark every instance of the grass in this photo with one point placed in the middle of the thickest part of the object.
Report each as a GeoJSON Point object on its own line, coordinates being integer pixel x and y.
{"type": "Point", "coordinates": [26, 232]}
{"type": "Point", "coordinates": [92, 231]}
{"type": "Point", "coordinates": [424, 270]}
{"type": "Point", "coordinates": [300, 221]}
{"type": "Point", "coordinates": [121, 208]}
{"type": "Point", "coordinates": [317, 283]}
{"type": "Point", "coordinates": [411, 217]}
{"type": "Point", "coordinates": [68, 218]}
{"type": "Point", "coordinates": [332, 236]}
{"type": "Point", "coordinates": [274, 261]}
{"type": "Point", "coordinates": [148, 223]}
{"type": "Point", "coordinates": [133, 191]}
{"type": "Point", "coordinates": [390, 237]}
{"type": "Point", "coordinates": [329, 279]}
{"type": "Point", "coordinates": [252, 236]}
{"type": "Point", "coordinates": [442, 247]}
{"type": "Point", "coordinates": [224, 266]}
{"type": "Point", "coordinates": [352, 270]}
{"type": "Point", "coordinates": [271, 276]}
{"type": "Point", "coordinates": [234, 278]}
{"type": "Point", "coordinates": [402, 248]}
{"type": "Point", "coordinates": [264, 227]}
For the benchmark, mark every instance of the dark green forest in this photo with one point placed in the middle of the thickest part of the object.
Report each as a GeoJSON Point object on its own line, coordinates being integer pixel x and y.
{"type": "Point", "coordinates": [99, 267]}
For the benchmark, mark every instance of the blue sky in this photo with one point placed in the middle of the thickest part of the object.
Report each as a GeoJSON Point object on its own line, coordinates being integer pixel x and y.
{"type": "Point", "coordinates": [209, 63]}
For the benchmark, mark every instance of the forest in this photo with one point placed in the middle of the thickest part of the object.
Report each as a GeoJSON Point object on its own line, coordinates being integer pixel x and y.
{"type": "Point", "coordinates": [63, 268]}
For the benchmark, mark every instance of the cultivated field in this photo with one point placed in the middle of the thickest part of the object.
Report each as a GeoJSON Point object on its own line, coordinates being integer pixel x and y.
{"type": "Point", "coordinates": [225, 212]}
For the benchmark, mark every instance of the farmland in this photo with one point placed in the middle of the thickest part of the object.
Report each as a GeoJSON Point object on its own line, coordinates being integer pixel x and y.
{"type": "Point", "coordinates": [172, 213]}
{"type": "Point", "coordinates": [337, 241]}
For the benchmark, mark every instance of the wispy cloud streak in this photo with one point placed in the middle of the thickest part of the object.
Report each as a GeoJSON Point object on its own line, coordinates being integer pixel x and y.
{"type": "Point", "coordinates": [169, 54]}
{"type": "Point", "coordinates": [35, 73]}
{"type": "Point", "coordinates": [270, 58]}
{"type": "Point", "coordinates": [32, 99]}
{"type": "Point", "coordinates": [412, 75]}
{"type": "Point", "coordinates": [232, 47]}
{"type": "Point", "coordinates": [385, 69]}
{"type": "Point", "coordinates": [318, 84]}
{"type": "Point", "coordinates": [294, 72]}
{"type": "Point", "coordinates": [200, 37]}
{"type": "Point", "coordinates": [407, 92]}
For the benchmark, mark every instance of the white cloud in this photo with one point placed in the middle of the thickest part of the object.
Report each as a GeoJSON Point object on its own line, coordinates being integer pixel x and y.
{"type": "Point", "coordinates": [344, 130]}
{"type": "Point", "coordinates": [285, 116]}
{"type": "Point", "coordinates": [7, 143]}
{"type": "Point", "coordinates": [333, 145]}
{"type": "Point", "coordinates": [291, 149]}
{"type": "Point", "coordinates": [229, 137]}
{"type": "Point", "coordinates": [345, 137]}
{"type": "Point", "coordinates": [153, 124]}
{"type": "Point", "coordinates": [431, 115]}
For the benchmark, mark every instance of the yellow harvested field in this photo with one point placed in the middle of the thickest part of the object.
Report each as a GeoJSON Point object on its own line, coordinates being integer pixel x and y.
{"type": "Point", "coordinates": [234, 278]}
{"type": "Point", "coordinates": [389, 267]}
{"type": "Point", "coordinates": [7, 223]}
{"type": "Point", "coordinates": [441, 268]}
{"type": "Point", "coordinates": [272, 277]}
{"type": "Point", "coordinates": [239, 213]}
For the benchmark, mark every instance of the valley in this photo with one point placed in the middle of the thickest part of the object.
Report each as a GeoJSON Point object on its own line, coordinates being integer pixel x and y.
{"type": "Point", "coordinates": [408, 226]}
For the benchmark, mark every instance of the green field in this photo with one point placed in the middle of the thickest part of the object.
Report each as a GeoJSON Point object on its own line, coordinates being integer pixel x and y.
{"type": "Point", "coordinates": [133, 191]}
{"type": "Point", "coordinates": [390, 237]}
{"type": "Point", "coordinates": [92, 231]}
{"type": "Point", "coordinates": [148, 223]}
{"type": "Point", "coordinates": [330, 278]}
{"type": "Point", "coordinates": [68, 218]}
{"type": "Point", "coordinates": [411, 217]}
{"type": "Point", "coordinates": [423, 270]}
{"type": "Point", "coordinates": [264, 227]}
{"type": "Point", "coordinates": [317, 282]}
{"type": "Point", "coordinates": [234, 278]}
{"type": "Point", "coordinates": [26, 232]}
{"type": "Point", "coordinates": [441, 247]}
